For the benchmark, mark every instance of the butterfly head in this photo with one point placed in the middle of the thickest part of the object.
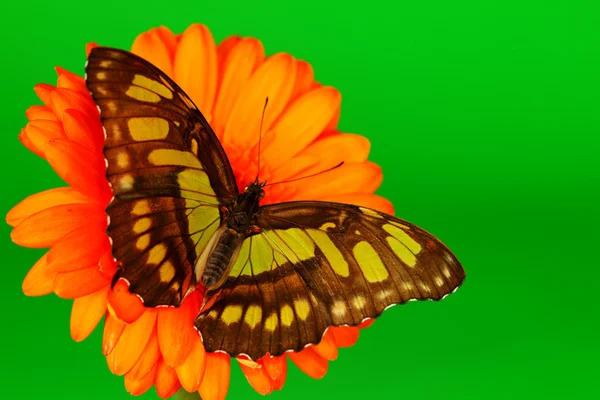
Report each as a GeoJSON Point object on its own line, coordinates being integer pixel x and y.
{"type": "Point", "coordinates": [255, 190]}
{"type": "Point", "coordinates": [240, 215]}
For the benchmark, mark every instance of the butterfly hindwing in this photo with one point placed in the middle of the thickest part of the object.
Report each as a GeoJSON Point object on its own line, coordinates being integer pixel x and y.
{"type": "Point", "coordinates": [167, 170]}
{"type": "Point", "coordinates": [264, 306]}
{"type": "Point", "coordinates": [318, 264]}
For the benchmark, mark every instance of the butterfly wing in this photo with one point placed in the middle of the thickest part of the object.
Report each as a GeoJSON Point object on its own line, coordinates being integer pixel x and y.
{"type": "Point", "coordinates": [167, 170]}
{"type": "Point", "coordinates": [318, 264]}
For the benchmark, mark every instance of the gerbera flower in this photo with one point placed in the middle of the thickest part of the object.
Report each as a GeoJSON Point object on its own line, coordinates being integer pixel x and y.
{"type": "Point", "coordinates": [229, 83]}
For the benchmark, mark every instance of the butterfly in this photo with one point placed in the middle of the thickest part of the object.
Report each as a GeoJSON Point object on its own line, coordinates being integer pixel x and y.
{"type": "Point", "coordinates": [275, 277]}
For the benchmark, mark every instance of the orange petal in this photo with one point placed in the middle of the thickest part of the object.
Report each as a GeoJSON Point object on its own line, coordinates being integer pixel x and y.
{"type": "Point", "coordinates": [91, 125]}
{"type": "Point", "coordinates": [196, 66]}
{"type": "Point", "coordinates": [225, 47]}
{"type": "Point", "coordinates": [41, 132]}
{"type": "Point", "coordinates": [304, 79]}
{"type": "Point", "coordinates": [169, 38]}
{"type": "Point", "coordinates": [49, 126]}
{"type": "Point", "coordinates": [365, 200]}
{"type": "Point", "coordinates": [327, 133]}
{"type": "Point", "coordinates": [86, 313]}
{"type": "Point", "coordinates": [167, 383]}
{"type": "Point", "coordinates": [141, 386]}
{"type": "Point", "coordinates": [113, 328]}
{"type": "Point", "coordinates": [297, 168]}
{"type": "Point", "coordinates": [215, 383]}
{"type": "Point", "coordinates": [81, 282]}
{"type": "Point", "coordinates": [345, 336]}
{"type": "Point", "coordinates": [74, 151]}
{"type": "Point", "coordinates": [327, 347]}
{"type": "Point", "coordinates": [191, 372]}
{"type": "Point", "coordinates": [275, 366]}
{"type": "Point", "coordinates": [107, 264]}
{"type": "Point", "coordinates": [84, 130]}
{"type": "Point", "coordinates": [258, 378]}
{"type": "Point", "coordinates": [309, 362]}
{"type": "Point", "coordinates": [25, 141]}
{"type": "Point", "coordinates": [44, 200]}
{"type": "Point", "coordinates": [333, 123]}
{"type": "Point", "coordinates": [302, 122]}
{"type": "Point", "coordinates": [223, 50]}
{"type": "Point", "coordinates": [132, 343]}
{"type": "Point", "coordinates": [79, 167]}
{"type": "Point", "coordinates": [273, 79]}
{"type": "Point", "coordinates": [337, 148]}
{"type": "Point", "coordinates": [79, 249]}
{"type": "Point", "coordinates": [40, 112]}
{"type": "Point", "coordinates": [176, 332]}
{"type": "Point", "coordinates": [235, 71]}
{"type": "Point", "coordinates": [349, 178]}
{"type": "Point", "coordinates": [314, 159]}
{"type": "Point", "coordinates": [44, 92]}
{"type": "Point", "coordinates": [127, 306]}
{"type": "Point", "coordinates": [148, 359]}
{"type": "Point", "coordinates": [278, 384]}
{"type": "Point", "coordinates": [158, 47]}
{"type": "Point", "coordinates": [64, 99]}
{"type": "Point", "coordinates": [69, 80]}
{"type": "Point", "coordinates": [39, 280]}
{"type": "Point", "coordinates": [46, 227]}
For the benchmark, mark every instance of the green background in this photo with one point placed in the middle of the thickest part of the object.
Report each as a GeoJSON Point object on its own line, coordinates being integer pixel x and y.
{"type": "Point", "coordinates": [484, 116]}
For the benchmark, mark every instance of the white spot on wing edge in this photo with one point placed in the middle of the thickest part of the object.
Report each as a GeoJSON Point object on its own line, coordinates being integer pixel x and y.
{"type": "Point", "coordinates": [104, 130]}
{"type": "Point", "coordinates": [452, 292]}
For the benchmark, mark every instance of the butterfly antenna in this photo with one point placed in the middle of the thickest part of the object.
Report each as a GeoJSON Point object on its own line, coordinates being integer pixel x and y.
{"type": "Point", "coordinates": [260, 136]}
{"type": "Point", "coordinates": [308, 176]}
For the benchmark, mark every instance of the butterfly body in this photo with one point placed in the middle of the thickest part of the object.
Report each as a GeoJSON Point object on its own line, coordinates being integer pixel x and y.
{"type": "Point", "coordinates": [239, 220]}
{"type": "Point", "coordinates": [275, 277]}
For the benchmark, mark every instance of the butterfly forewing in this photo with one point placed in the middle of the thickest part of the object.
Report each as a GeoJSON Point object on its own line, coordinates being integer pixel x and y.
{"type": "Point", "coordinates": [167, 170]}
{"type": "Point", "coordinates": [319, 264]}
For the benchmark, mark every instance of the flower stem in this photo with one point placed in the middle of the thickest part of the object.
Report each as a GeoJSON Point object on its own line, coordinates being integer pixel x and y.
{"type": "Point", "coordinates": [185, 395]}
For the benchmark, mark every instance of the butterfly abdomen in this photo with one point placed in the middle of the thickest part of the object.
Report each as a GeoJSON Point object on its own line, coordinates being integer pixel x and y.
{"type": "Point", "coordinates": [219, 259]}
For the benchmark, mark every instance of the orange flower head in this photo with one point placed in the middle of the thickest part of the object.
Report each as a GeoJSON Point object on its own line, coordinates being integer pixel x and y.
{"type": "Point", "coordinates": [229, 83]}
